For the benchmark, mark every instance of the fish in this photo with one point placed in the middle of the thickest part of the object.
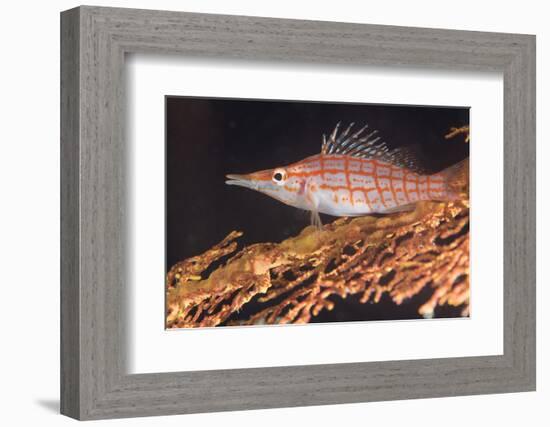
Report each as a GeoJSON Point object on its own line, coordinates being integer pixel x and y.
{"type": "Point", "coordinates": [355, 174]}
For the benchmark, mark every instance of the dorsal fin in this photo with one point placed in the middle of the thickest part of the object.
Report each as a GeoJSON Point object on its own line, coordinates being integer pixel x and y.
{"type": "Point", "coordinates": [369, 146]}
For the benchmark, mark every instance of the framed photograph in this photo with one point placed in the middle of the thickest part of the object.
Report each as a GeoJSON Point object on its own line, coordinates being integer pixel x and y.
{"type": "Point", "coordinates": [303, 212]}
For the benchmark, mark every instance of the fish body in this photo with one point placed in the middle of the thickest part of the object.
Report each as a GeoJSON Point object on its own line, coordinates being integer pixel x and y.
{"type": "Point", "coordinates": [351, 176]}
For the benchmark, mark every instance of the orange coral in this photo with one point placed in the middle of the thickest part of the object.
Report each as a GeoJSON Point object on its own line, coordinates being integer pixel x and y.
{"type": "Point", "coordinates": [397, 254]}
{"type": "Point", "coordinates": [463, 130]}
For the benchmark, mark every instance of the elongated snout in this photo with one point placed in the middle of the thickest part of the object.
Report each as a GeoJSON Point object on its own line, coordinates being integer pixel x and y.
{"type": "Point", "coordinates": [269, 182]}
{"type": "Point", "coordinates": [246, 181]}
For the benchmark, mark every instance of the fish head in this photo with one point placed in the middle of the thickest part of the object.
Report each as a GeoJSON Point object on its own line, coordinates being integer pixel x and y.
{"type": "Point", "coordinates": [279, 183]}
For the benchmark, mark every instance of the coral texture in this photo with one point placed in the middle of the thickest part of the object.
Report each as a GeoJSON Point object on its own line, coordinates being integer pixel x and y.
{"type": "Point", "coordinates": [398, 254]}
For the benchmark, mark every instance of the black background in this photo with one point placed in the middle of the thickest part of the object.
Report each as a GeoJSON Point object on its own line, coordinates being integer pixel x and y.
{"type": "Point", "coordinates": [207, 138]}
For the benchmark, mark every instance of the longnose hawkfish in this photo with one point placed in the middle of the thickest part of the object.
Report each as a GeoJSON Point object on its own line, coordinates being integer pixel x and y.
{"type": "Point", "coordinates": [354, 175]}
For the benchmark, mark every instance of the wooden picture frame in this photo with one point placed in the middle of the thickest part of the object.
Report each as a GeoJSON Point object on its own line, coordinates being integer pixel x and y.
{"type": "Point", "coordinates": [94, 41]}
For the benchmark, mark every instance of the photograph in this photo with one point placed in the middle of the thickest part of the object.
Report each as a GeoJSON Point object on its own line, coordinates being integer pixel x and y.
{"type": "Point", "coordinates": [294, 212]}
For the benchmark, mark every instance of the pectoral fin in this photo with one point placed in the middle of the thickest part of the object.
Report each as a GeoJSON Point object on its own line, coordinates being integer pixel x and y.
{"type": "Point", "coordinates": [316, 219]}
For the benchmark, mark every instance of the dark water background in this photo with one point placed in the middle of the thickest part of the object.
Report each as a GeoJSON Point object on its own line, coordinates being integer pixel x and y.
{"type": "Point", "coordinates": [207, 138]}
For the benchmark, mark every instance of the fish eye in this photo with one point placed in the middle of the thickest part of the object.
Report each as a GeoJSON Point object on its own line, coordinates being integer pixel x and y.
{"type": "Point", "coordinates": [279, 176]}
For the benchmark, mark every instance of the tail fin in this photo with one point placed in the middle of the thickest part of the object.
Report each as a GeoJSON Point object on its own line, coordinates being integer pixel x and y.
{"type": "Point", "coordinates": [457, 180]}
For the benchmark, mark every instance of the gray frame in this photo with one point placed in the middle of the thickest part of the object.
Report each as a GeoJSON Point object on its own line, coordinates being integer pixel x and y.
{"type": "Point", "coordinates": [94, 41]}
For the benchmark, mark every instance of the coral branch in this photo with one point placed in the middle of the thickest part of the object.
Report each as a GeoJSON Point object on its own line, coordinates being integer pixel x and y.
{"type": "Point", "coordinates": [464, 130]}
{"type": "Point", "coordinates": [399, 255]}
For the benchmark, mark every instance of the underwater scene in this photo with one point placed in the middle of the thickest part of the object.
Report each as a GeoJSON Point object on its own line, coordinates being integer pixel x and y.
{"type": "Point", "coordinates": [294, 212]}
